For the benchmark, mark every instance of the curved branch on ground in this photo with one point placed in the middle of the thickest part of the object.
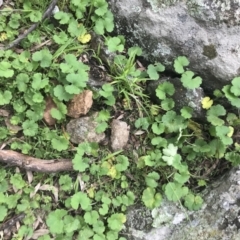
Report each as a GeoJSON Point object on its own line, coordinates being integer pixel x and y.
{"type": "Point", "coordinates": [34, 26]}
{"type": "Point", "coordinates": [35, 164]}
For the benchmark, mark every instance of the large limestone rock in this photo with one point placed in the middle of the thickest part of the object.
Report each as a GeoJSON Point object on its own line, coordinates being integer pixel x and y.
{"type": "Point", "coordinates": [218, 219]}
{"type": "Point", "coordinates": [205, 31]}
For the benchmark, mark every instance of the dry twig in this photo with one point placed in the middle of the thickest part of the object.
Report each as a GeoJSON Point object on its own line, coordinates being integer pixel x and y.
{"type": "Point", "coordinates": [33, 27]}
{"type": "Point", "coordinates": [35, 164]}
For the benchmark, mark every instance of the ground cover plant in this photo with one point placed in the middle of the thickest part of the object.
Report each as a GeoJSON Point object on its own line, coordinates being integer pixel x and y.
{"type": "Point", "coordinates": [169, 151]}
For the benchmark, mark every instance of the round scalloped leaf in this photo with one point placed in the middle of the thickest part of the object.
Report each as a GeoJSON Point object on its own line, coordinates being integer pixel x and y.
{"type": "Point", "coordinates": [189, 82]}
{"type": "Point", "coordinates": [175, 191]}
{"type": "Point", "coordinates": [164, 89]}
{"type": "Point", "coordinates": [193, 202]}
{"type": "Point", "coordinates": [179, 63]}
{"type": "Point", "coordinates": [235, 89]}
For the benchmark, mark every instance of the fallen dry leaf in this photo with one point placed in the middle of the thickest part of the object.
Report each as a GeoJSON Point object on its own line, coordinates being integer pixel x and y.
{"type": "Point", "coordinates": [29, 176]}
{"type": "Point", "coordinates": [80, 104]}
{"type": "Point", "coordinates": [48, 187]}
{"type": "Point", "coordinates": [39, 233]}
{"type": "Point", "coordinates": [50, 104]}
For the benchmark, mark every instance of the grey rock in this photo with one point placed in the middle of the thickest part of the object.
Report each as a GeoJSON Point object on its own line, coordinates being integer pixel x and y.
{"type": "Point", "coordinates": [83, 129]}
{"type": "Point", "coordinates": [218, 218]}
{"type": "Point", "coordinates": [119, 134]}
{"type": "Point", "coordinates": [207, 32]}
{"type": "Point", "coordinates": [182, 96]}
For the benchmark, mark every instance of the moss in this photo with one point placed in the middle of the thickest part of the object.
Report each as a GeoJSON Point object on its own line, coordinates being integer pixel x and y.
{"type": "Point", "coordinates": [210, 51]}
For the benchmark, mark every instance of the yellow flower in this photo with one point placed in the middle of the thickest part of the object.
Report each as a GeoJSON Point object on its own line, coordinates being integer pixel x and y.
{"type": "Point", "coordinates": [85, 38]}
{"type": "Point", "coordinates": [3, 36]}
{"type": "Point", "coordinates": [207, 103]}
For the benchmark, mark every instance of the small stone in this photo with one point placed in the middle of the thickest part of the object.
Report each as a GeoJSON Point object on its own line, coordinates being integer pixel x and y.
{"type": "Point", "coordinates": [119, 134]}
{"type": "Point", "coordinates": [50, 104]}
{"type": "Point", "coordinates": [83, 129]}
{"type": "Point", "coordinates": [80, 104]}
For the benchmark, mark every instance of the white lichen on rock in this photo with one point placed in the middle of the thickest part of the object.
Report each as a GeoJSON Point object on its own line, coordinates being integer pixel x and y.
{"type": "Point", "coordinates": [227, 11]}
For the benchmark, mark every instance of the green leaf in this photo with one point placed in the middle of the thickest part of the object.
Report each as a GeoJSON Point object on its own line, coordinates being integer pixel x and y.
{"type": "Point", "coordinates": [189, 82]}
{"type": "Point", "coordinates": [3, 132]}
{"type": "Point", "coordinates": [85, 234]}
{"type": "Point", "coordinates": [30, 128]}
{"type": "Point", "coordinates": [134, 51]}
{"type": "Point", "coordinates": [193, 202]}
{"type": "Point", "coordinates": [38, 81]}
{"type": "Point", "coordinates": [35, 16]}
{"type": "Point", "coordinates": [91, 217]}
{"type": "Point", "coordinates": [5, 70]}
{"type": "Point", "coordinates": [61, 93]}
{"type": "Point", "coordinates": [22, 79]}
{"type": "Point", "coordinates": [5, 97]}
{"type": "Point", "coordinates": [61, 38]}
{"type": "Point", "coordinates": [80, 163]}
{"type": "Point", "coordinates": [173, 122]}
{"type": "Point", "coordinates": [145, 160]}
{"type": "Point", "coordinates": [60, 143]}
{"type": "Point", "coordinates": [169, 154]}
{"type": "Point", "coordinates": [201, 146]}
{"type": "Point", "coordinates": [79, 79]}
{"type": "Point", "coordinates": [37, 97]}
{"type": "Point", "coordinates": [142, 123]}
{"type": "Point", "coordinates": [153, 70]}
{"type": "Point", "coordinates": [99, 227]}
{"type": "Point", "coordinates": [164, 89]}
{"type": "Point", "coordinates": [71, 224]}
{"type": "Point", "coordinates": [3, 186]}
{"type": "Point", "coordinates": [167, 104]}
{"type": "Point", "coordinates": [55, 113]}
{"type": "Point", "coordinates": [81, 199]}
{"type": "Point", "coordinates": [150, 198]}
{"type": "Point", "coordinates": [106, 199]}
{"type": "Point", "coordinates": [175, 191]}
{"type": "Point", "coordinates": [235, 101]}
{"type": "Point", "coordinates": [107, 92]}
{"type": "Point", "coordinates": [63, 17]}
{"type": "Point", "coordinates": [114, 44]}
{"type": "Point", "coordinates": [182, 178]}
{"type": "Point", "coordinates": [55, 221]}
{"type": "Point", "coordinates": [186, 112]}
{"type": "Point", "coordinates": [179, 63]}
{"type": "Point", "coordinates": [213, 115]}
{"type": "Point", "coordinates": [101, 127]}
{"type": "Point", "coordinates": [103, 115]}
{"type": "Point", "coordinates": [158, 128]}
{"type": "Point", "coordinates": [233, 157]}
{"type": "Point", "coordinates": [151, 179]}
{"type": "Point", "coordinates": [235, 89]}
{"type": "Point", "coordinates": [222, 132]}
{"type": "Point", "coordinates": [104, 209]}
{"type": "Point", "coordinates": [65, 182]}
{"type": "Point", "coordinates": [159, 142]}
{"type": "Point", "coordinates": [17, 181]}
{"type": "Point", "coordinates": [44, 57]}
{"type": "Point", "coordinates": [3, 212]}
{"type": "Point", "coordinates": [115, 221]}
{"type": "Point", "coordinates": [122, 163]}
